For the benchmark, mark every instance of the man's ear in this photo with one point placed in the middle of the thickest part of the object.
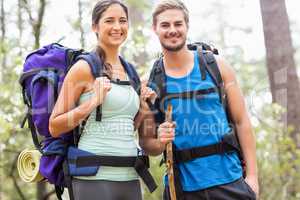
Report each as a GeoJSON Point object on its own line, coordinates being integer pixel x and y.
{"type": "Point", "coordinates": [154, 26]}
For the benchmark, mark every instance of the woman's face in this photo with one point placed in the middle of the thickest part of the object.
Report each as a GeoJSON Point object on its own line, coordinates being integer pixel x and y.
{"type": "Point", "coordinates": [112, 27]}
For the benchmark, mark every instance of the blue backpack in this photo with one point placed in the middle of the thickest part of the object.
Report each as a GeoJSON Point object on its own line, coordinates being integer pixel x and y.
{"type": "Point", "coordinates": [44, 71]}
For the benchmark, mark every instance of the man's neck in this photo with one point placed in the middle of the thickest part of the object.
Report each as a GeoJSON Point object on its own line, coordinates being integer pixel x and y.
{"type": "Point", "coordinates": [177, 59]}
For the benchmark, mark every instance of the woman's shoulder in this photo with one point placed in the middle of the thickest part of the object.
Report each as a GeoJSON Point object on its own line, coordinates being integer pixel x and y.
{"type": "Point", "coordinates": [80, 70]}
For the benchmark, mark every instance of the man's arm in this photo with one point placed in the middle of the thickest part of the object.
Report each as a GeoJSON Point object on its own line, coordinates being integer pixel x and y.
{"type": "Point", "coordinates": [241, 120]}
{"type": "Point", "coordinates": [151, 139]}
{"type": "Point", "coordinates": [147, 134]}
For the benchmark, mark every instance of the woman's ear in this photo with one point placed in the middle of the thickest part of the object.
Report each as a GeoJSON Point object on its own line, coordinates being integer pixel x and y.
{"type": "Point", "coordinates": [95, 28]}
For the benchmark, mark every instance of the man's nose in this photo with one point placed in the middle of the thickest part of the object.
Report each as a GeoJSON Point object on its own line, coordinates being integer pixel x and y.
{"type": "Point", "coordinates": [172, 30]}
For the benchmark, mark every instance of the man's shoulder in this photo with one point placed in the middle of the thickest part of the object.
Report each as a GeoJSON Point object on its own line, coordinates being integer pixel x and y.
{"type": "Point", "coordinates": [224, 67]}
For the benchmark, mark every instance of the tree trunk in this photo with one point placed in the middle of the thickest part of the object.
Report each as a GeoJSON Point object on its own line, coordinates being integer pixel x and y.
{"type": "Point", "coordinates": [20, 26]}
{"type": "Point", "coordinates": [82, 41]}
{"type": "Point", "coordinates": [3, 35]}
{"type": "Point", "coordinates": [282, 71]}
{"type": "Point", "coordinates": [2, 19]}
{"type": "Point", "coordinates": [36, 23]}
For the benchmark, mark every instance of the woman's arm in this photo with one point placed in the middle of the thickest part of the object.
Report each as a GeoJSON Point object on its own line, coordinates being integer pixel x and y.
{"type": "Point", "coordinates": [66, 115]}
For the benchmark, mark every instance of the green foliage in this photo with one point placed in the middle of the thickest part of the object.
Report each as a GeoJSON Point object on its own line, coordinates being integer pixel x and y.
{"type": "Point", "coordinates": [12, 138]}
{"type": "Point", "coordinates": [157, 171]}
{"type": "Point", "coordinates": [278, 157]}
{"type": "Point", "coordinates": [135, 47]}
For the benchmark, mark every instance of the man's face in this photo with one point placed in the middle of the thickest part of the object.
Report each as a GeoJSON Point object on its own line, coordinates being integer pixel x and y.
{"type": "Point", "coordinates": [171, 29]}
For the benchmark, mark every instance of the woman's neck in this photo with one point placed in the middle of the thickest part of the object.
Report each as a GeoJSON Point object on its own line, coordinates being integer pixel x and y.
{"type": "Point", "coordinates": [112, 54]}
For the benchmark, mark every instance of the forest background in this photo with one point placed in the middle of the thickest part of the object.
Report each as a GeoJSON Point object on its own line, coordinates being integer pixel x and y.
{"type": "Point", "coordinates": [259, 38]}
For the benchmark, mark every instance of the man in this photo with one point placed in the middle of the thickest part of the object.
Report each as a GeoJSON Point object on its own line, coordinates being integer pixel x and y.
{"type": "Point", "coordinates": [200, 122]}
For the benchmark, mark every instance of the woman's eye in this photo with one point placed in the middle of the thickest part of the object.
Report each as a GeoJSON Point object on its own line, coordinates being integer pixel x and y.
{"type": "Point", "coordinates": [123, 21]}
{"type": "Point", "coordinates": [109, 21]}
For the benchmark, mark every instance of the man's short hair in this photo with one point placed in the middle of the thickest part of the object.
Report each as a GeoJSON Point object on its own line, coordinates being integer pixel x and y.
{"type": "Point", "coordinates": [168, 5]}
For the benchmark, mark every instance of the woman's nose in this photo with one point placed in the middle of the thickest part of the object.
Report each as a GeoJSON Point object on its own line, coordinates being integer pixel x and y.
{"type": "Point", "coordinates": [116, 25]}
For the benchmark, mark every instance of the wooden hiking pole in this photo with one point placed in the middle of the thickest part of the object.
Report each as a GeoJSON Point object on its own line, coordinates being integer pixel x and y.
{"type": "Point", "coordinates": [169, 158]}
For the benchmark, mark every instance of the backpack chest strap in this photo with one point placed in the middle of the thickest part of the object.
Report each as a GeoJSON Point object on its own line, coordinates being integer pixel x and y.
{"type": "Point", "coordinates": [114, 161]}
{"type": "Point", "coordinates": [228, 144]}
{"type": "Point", "coordinates": [119, 82]}
{"type": "Point", "coordinates": [190, 94]}
{"type": "Point", "coordinates": [139, 163]}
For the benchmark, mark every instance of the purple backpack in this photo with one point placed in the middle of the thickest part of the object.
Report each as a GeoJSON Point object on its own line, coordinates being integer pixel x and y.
{"type": "Point", "coordinates": [43, 74]}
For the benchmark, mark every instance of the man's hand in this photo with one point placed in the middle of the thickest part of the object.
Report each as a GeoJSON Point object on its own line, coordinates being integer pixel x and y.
{"type": "Point", "coordinates": [252, 181]}
{"type": "Point", "coordinates": [166, 132]}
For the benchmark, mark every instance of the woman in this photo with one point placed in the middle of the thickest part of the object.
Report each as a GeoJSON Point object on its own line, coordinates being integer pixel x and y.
{"type": "Point", "coordinates": [81, 94]}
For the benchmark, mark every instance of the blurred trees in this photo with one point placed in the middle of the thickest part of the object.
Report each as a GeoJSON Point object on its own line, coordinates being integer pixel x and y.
{"type": "Point", "coordinates": [3, 31]}
{"type": "Point", "coordinates": [285, 89]}
{"type": "Point", "coordinates": [80, 11]}
{"type": "Point", "coordinates": [35, 19]}
{"type": "Point", "coordinates": [24, 27]}
{"type": "Point", "coordinates": [12, 137]}
{"type": "Point", "coordinates": [36, 22]}
{"type": "Point", "coordinates": [281, 66]}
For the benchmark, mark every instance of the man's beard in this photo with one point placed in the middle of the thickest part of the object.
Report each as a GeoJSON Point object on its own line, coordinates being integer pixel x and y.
{"type": "Point", "coordinates": [173, 48]}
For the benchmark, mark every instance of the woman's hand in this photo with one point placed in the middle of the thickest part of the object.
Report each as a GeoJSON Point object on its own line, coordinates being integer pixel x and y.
{"type": "Point", "coordinates": [146, 94]}
{"type": "Point", "coordinates": [100, 88]}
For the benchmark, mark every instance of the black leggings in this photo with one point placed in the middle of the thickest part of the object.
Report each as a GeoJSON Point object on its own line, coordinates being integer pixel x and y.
{"type": "Point", "coordinates": [106, 190]}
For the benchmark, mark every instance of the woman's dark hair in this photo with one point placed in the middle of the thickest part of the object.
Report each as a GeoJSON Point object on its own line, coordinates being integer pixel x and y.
{"type": "Point", "coordinates": [99, 9]}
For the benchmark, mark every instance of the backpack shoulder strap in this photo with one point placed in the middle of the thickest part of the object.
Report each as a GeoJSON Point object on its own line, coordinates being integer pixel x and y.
{"type": "Point", "coordinates": [96, 66]}
{"type": "Point", "coordinates": [214, 71]}
{"type": "Point", "coordinates": [94, 62]}
{"type": "Point", "coordinates": [133, 75]}
{"type": "Point", "coordinates": [212, 68]}
{"type": "Point", "coordinates": [157, 80]}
